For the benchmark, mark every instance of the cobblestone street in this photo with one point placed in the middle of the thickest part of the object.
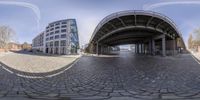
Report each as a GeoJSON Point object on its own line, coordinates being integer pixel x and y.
{"type": "Point", "coordinates": [124, 77]}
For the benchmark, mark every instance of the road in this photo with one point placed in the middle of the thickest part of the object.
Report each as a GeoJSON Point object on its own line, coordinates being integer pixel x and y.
{"type": "Point", "coordinates": [124, 77]}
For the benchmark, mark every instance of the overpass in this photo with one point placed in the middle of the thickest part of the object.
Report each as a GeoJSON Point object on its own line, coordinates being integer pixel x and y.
{"type": "Point", "coordinates": [151, 32]}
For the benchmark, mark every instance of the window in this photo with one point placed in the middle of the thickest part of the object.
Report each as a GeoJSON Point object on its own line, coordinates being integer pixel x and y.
{"type": "Point", "coordinates": [47, 34]}
{"type": "Point", "coordinates": [51, 33]}
{"type": "Point", "coordinates": [64, 26]}
{"type": "Point", "coordinates": [64, 22]}
{"type": "Point", "coordinates": [57, 27]}
{"type": "Point", "coordinates": [64, 30]}
{"type": "Point", "coordinates": [56, 43]}
{"type": "Point", "coordinates": [73, 30]}
{"type": "Point", "coordinates": [47, 44]}
{"type": "Point", "coordinates": [57, 36]}
{"type": "Point", "coordinates": [51, 44]}
{"type": "Point", "coordinates": [63, 43]}
{"type": "Point", "coordinates": [57, 31]}
{"type": "Point", "coordinates": [51, 25]}
{"type": "Point", "coordinates": [51, 38]}
{"type": "Point", "coordinates": [63, 36]}
{"type": "Point", "coordinates": [57, 23]}
{"type": "Point", "coordinates": [51, 29]}
{"type": "Point", "coordinates": [47, 39]}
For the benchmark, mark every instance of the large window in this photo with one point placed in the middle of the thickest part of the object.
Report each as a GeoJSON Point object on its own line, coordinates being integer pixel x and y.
{"type": "Point", "coordinates": [51, 44]}
{"type": "Point", "coordinates": [57, 27]}
{"type": "Point", "coordinates": [57, 31]}
{"type": "Point", "coordinates": [63, 36]}
{"type": "Point", "coordinates": [51, 33]}
{"type": "Point", "coordinates": [63, 30]}
{"type": "Point", "coordinates": [51, 38]}
{"type": "Point", "coordinates": [57, 23]}
{"type": "Point", "coordinates": [64, 26]}
{"type": "Point", "coordinates": [64, 22]}
{"type": "Point", "coordinates": [51, 29]}
{"type": "Point", "coordinates": [63, 43]}
{"type": "Point", "coordinates": [52, 25]}
{"type": "Point", "coordinates": [47, 44]}
{"type": "Point", "coordinates": [56, 43]}
{"type": "Point", "coordinates": [57, 36]}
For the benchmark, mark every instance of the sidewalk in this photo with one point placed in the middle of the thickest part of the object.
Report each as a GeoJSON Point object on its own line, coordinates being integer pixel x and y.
{"type": "Point", "coordinates": [36, 63]}
{"type": "Point", "coordinates": [196, 55]}
{"type": "Point", "coordinates": [2, 54]}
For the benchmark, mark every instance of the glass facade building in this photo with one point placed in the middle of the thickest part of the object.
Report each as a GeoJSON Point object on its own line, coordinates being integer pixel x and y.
{"type": "Point", "coordinates": [61, 37]}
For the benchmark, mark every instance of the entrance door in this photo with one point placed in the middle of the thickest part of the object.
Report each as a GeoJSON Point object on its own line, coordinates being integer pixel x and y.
{"type": "Point", "coordinates": [47, 50]}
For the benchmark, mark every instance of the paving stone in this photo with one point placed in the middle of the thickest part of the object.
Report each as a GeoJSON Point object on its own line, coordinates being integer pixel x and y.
{"type": "Point", "coordinates": [132, 77]}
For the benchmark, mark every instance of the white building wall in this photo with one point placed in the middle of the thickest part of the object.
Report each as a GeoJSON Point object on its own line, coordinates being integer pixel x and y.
{"type": "Point", "coordinates": [47, 35]}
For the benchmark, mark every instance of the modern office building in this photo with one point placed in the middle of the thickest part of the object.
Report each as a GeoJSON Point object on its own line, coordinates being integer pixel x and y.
{"type": "Point", "coordinates": [38, 42]}
{"type": "Point", "coordinates": [60, 37]}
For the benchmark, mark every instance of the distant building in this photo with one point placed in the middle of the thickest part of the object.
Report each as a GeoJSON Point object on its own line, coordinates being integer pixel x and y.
{"type": "Point", "coordinates": [11, 46]}
{"type": "Point", "coordinates": [14, 46]}
{"type": "Point", "coordinates": [60, 37]}
{"type": "Point", "coordinates": [26, 46]}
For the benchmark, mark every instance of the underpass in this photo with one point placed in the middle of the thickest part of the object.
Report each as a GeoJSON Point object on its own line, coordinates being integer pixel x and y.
{"type": "Point", "coordinates": [151, 32]}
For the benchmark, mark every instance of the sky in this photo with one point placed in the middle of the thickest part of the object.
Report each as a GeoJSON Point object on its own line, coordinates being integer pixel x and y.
{"type": "Point", "coordinates": [30, 17]}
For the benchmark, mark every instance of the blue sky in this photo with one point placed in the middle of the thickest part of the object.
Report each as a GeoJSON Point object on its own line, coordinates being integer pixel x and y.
{"type": "Point", "coordinates": [88, 14]}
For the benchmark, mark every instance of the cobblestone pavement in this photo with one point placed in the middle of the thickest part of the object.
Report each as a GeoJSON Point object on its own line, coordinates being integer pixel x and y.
{"type": "Point", "coordinates": [128, 77]}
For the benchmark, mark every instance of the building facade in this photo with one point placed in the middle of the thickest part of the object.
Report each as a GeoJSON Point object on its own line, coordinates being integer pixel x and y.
{"type": "Point", "coordinates": [60, 37]}
{"type": "Point", "coordinates": [38, 42]}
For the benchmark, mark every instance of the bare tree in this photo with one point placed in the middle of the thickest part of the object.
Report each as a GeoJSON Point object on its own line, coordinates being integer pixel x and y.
{"type": "Point", "coordinates": [6, 36]}
{"type": "Point", "coordinates": [190, 41]}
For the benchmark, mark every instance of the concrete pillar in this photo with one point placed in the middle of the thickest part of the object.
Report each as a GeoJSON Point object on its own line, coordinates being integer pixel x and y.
{"type": "Point", "coordinates": [153, 47]}
{"type": "Point", "coordinates": [59, 48]}
{"type": "Point", "coordinates": [149, 47]}
{"type": "Point", "coordinates": [141, 48]}
{"type": "Point", "coordinates": [97, 48]}
{"type": "Point", "coordinates": [135, 48]}
{"type": "Point", "coordinates": [144, 48]}
{"type": "Point", "coordinates": [174, 46]}
{"type": "Point", "coordinates": [53, 47]}
{"type": "Point", "coordinates": [101, 49]}
{"type": "Point", "coordinates": [138, 48]}
{"type": "Point", "coordinates": [163, 46]}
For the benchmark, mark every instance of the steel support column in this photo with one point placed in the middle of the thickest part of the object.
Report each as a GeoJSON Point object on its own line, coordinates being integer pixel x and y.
{"type": "Point", "coordinates": [97, 48]}
{"type": "Point", "coordinates": [153, 47]}
{"type": "Point", "coordinates": [163, 46]}
{"type": "Point", "coordinates": [137, 48]}
{"type": "Point", "coordinates": [150, 47]}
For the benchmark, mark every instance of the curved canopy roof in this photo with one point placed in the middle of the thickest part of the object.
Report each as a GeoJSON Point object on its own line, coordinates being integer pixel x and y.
{"type": "Point", "coordinates": [127, 27]}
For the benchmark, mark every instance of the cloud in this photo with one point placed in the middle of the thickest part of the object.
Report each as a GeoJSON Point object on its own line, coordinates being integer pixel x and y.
{"type": "Point", "coordinates": [33, 7]}
{"type": "Point", "coordinates": [161, 4]}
